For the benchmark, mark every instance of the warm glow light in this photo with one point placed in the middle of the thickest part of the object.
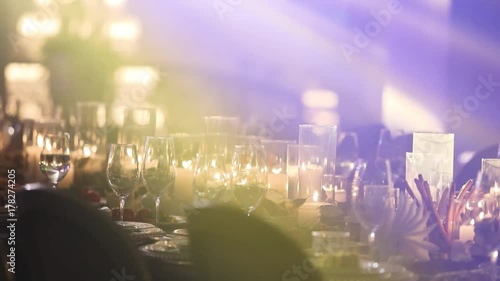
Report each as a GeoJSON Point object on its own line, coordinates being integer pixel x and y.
{"type": "Point", "coordinates": [35, 25]}
{"type": "Point", "coordinates": [126, 29]}
{"type": "Point", "coordinates": [322, 117]}
{"type": "Point", "coordinates": [319, 98]}
{"type": "Point", "coordinates": [481, 216]}
{"type": "Point", "coordinates": [115, 3]}
{"type": "Point", "coordinates": [141, 117]}
{"type": "Point", "coordinates": [142, 75]}
{"type": "Point", "coordinates": [39, 141]}
{"type": "Point", "coordinates": [277, 170]}
{"type": "Point", "coordinates": [25, 72]}
{"type": "Point", "coordinates": [315, 197]}
{"type": "Point", "coordinates": [86, 152]}
{"type": "Point", "coordinates": [187, 164]}
{"type": "Point", "coordinates": [395, 108]}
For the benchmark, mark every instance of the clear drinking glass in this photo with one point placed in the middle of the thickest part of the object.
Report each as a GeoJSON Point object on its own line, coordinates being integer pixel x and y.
{"type": "Point", "coordinates": [210, 180]}
{"type": "Point", "coordinates": [393, 146]}
{"type": "Point", "coordinates": [122, 171]}
{"type": "Point", "coordinates": [90, 131]}
{"type": "Point", "coordinates": [292, 170]}
{"type": "Point", "coordinates": [347, 154]}
{"type": "Point", "coordinates": [323, 136]}
{"type": "Point", "coordinates": [158, 169]}
{"type": "Point", "coordinates": [372, 207]}
{"type": "Point", "coordinates": [220, 135]}
{"type": "Point", "coordinates": [138, 124]}
{"type": "Point", "coordinates": [249, 176]}
{"type": "Point", "coordinates": [276, 160]}
{"type": "Point", "coordinates": [311, 170]}
{"type": "Point", "coordinates": [55, 157]}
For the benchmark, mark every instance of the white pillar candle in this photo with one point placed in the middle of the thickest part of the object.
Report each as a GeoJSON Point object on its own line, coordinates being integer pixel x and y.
{"type": "Point", "coordinates": [293, 181]}
{"type": "Point", "coordinates": [279, 183]}
{"type": "Point", "coordinates": [183, 187]}
{"type": "Point", "coordinates": [466, 233]}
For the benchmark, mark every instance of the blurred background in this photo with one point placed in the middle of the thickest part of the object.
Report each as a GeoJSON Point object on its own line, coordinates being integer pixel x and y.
{"type": "Point", "coordinates": [429, 66]}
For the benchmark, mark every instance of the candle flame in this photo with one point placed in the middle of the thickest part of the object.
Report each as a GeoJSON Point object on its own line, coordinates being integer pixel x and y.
{"type": "Point", "coordinates": [472, 222]}
{"type": "Point", "coordinates": [315, 197]}
{"type": "Point", "coordinates": [481, 216]}
{"type": "Point", "coordinates": [87, 152]}
{"type": "Point", "coordinates": [187, 164]}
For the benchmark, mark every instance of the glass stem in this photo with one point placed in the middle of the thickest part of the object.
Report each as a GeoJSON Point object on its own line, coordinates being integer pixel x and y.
{"type": "Point", "coordinates": [371, 244]}
{"type": "Point", "coordinates": [157, 217]}
{"type": "Point", "coordinates": [122, 206]}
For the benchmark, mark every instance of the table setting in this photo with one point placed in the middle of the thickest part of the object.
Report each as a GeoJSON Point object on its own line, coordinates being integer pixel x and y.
{"type": "Point", "coordinates": [354, 219]}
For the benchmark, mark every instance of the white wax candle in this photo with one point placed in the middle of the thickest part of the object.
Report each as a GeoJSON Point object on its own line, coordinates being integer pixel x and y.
{"type": "Point", "coordinates": [279, 183]}
{"type": "Point", "coordinates": [183, 187]}
{"type": "Point", "coordinates": [466, 233]}
{"type": "Point", "coordinates": [293, 181]}
{"type": "Point", "coordinates": [309, 180]}
{"type": "Point", "coordinates": [308, 213]}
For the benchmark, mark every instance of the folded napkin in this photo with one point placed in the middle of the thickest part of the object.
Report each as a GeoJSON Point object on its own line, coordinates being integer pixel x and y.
{"type": "Point", "coordinates": [405, 233]}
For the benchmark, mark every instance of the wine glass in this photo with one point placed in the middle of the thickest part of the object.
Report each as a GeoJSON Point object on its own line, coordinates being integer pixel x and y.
{"type": "Point", "coordinates": [210, 179]}
{"type": "Point", "coordinates": [372, 208]}
{"type": "Point", "coordinates": [249, 176]}
{"type": "Point", "coordinates": [55, 157]}
{"type": "Point", "coordinates": [122, 171]}
{"type": "Point", "coordinates": [392, 146]}
{"type": "Point", "coordinates": [158, 168]}
{"type": "Point", "coordinates": [347, 154]}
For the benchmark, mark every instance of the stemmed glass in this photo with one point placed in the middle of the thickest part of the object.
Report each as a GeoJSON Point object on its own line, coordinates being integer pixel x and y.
{"type": "Point", "coordinates": [393, 146]}
{"type": "Point", "coordinates": [158, 168]}
{"type": "Point", "coordinates": [372, 208]}
{"type": "Point", "coordinates": [210, 179]}
{"type": "Point", "coordinates": [347, 154]}
{"type": "Point", "coordinates": [55, 157]}
{"type": "Point", "coordinates": [122, 171]}
{"type": "Point", "coordinates": [249, 181]}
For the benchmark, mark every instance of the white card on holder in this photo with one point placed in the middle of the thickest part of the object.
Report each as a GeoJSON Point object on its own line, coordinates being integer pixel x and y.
{"type": "Point", "coordinates": [433, 157]}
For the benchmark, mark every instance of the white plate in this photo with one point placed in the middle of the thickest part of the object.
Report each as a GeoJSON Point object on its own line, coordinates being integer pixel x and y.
{"type": "Point", "coordinates": [132, 225]}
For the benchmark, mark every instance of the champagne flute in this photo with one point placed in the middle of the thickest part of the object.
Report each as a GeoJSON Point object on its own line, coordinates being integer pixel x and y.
{"type": "Point", "coordinates": [249, 176]}
{"type": "Point", "coordinates": [122, 171]}
{"type": "Point", "coordinates": [55, 157]}
{"type": "Point", "coordinates": [158, 168]}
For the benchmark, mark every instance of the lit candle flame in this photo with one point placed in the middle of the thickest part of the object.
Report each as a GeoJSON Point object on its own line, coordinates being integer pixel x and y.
{"type": "Point", "coordinates": [315, 197]}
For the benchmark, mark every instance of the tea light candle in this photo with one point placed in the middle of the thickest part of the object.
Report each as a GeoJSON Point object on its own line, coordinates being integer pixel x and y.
{"type": "Point", "coordinates": [183, 187]}
{"type": "Point", "coordinates": [279, 183]}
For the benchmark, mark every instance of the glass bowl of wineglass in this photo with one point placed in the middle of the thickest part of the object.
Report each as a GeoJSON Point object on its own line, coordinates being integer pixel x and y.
{"type": "Point", "coordinates": [55, 157]}
{"type": "Point", "coordinates": [372, 208]}
{"type": "Point", "coordinates": [158, 168]}
{"type": "Point", "coordinates": [122, 171]}
{"type": "Point", "coordinates": [210, 180]}
{"type": "Point", "coordinates": [249, 182]}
